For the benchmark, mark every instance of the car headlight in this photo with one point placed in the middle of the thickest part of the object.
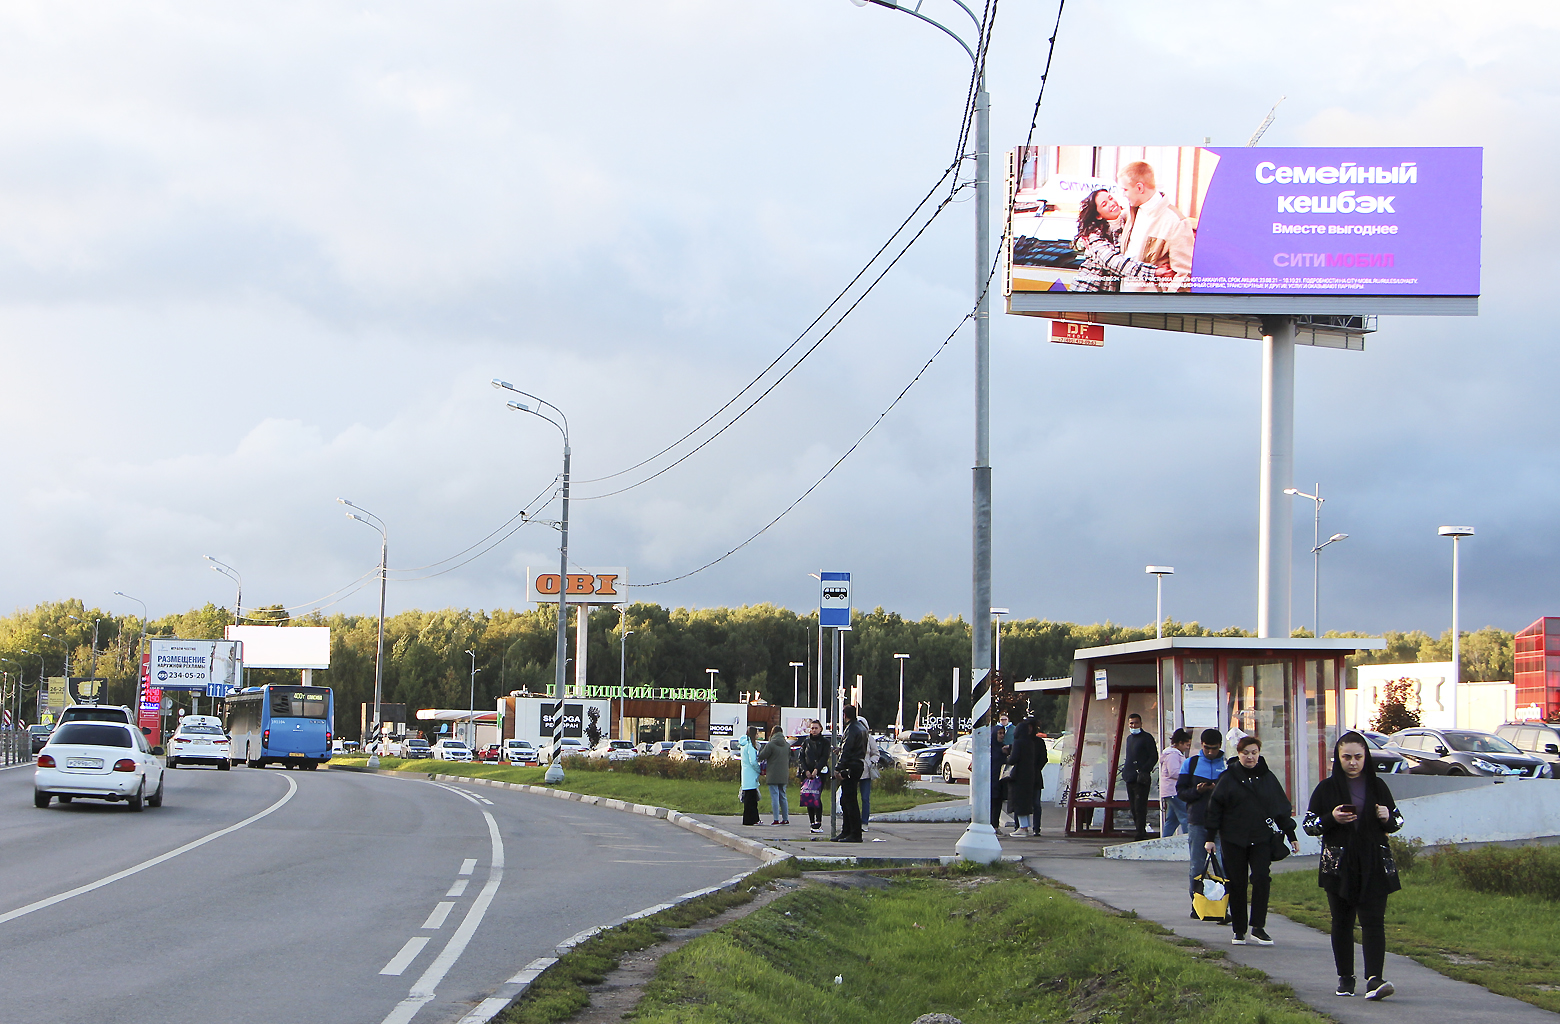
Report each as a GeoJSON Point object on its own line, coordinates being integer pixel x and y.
{"type": "Point", "coordinates": [1544, 772]}
{"type": "Point", "coordinates": [1486, 766]}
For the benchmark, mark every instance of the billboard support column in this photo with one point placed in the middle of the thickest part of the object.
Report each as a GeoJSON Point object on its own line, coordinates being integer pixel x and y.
{"type": "Point", "coordinates": [1275, 519]}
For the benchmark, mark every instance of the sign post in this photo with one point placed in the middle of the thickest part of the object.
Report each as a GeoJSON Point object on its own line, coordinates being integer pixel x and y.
{"type": "Point", "coordinates": [834, 605]}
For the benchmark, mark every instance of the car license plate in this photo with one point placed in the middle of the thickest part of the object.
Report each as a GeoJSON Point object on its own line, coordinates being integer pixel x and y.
{"type": "Point", "coordinates": [84, 762]}
{"type": "Point", "coordinates": [296, 753]}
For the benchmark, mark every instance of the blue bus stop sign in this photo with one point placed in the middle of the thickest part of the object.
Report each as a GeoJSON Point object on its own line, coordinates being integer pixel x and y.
{"type": "Point", "coordinates": [834, 600]}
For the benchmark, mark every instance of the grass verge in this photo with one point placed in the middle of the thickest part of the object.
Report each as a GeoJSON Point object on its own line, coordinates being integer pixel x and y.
{"type": "Point", "coordinates": [559, 993]}
{"type": "Point", "coordinates": [993, 949]}
{"type": "Point", "coordinates": [1508, 944]}
{"type": "Point", "coordinates": [691, 796]}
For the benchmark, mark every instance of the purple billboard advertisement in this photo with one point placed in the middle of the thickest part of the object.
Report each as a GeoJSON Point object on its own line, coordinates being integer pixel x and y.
{"type": "Point", "coordinates": [1167, 220]}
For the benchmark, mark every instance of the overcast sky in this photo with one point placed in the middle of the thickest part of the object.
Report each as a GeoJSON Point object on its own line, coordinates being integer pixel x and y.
{"type": "Point", "coordinates": [256, 256]}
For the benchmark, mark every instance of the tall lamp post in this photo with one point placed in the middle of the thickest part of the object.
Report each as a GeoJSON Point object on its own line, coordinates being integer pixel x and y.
{"type": "Point", "coordinates": [555, 769]}
{"type": "Point", "coordinates": [232, 574]}
{"type": "Point", "coordinates": [996, 617]}
{"type": "Point", "coordinates": [979, 842]}
{"type": "Point", "coordinates": [471, 711]}
{"type": "Point", "coordinates": [899, 716]}
{"type": "Point", "coordinates": [140, 645]}
{"type": "Point", "coordinates": [1159, 572]}
{"type": "Point", "coordinates": [376, 523]}
{"type": "Point", "coordinates": [796, 682]}
{"type": "Point", "coordinates": [1316, 552]}
{"type": "Point", "coordinates": [623, 669]}
{"type": "Point", "coordinates": [1457, 533]}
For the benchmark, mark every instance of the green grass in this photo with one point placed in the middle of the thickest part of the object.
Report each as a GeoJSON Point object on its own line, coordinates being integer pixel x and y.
{"type": "Point", "coordinates": [691, 796]}
{"type": "Point", "coordinates": [559, 994]}
{"type": "Point", "coordinates": [1002, 950]}
{"type": "Point", "coordinates": [1517, 937]}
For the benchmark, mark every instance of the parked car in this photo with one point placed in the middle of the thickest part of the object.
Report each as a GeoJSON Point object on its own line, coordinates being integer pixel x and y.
{"type": "Point", "coordinates": [957, 762]}
{"type": "Point", "coordinates": [97, 713]}
{"type": "Point", "coordinates": [1389, 760]}
{"type": "Point", "coordinates": [915, 739]}
{"type": "Point", "coordinates": [692, 750]}
{"type": "Point", "coordinates": [728, 749]}
{"type": "Point", "coordinates": [657, 748]}
{"type": "Point", "coordinates": [200, 740]}
{"type": "Point", "coordinates": [490, 753]}
{"type": "Point", "coordinates": [99, 761]}
{"type": "Point", "coordinates": [416, 749]}
{"type": "Point", "coordinates": [39, 735]}
{"type": "Point", "coordinates": [928, 760]}
{"type": "Point", "coordinates": [520, 752]}
{"type": "Point", "coordinates": [615, 750]}
{"type": "Point", "coordinates": [900, 755]}
{"type": "Point", "coordinates": [1465, 752]}
{"type": "Point", "coordinates": [570, 746]}
{"type": "Point", "coordinates": [451, 750]}
{"type": "Point", "coordinates": [1535, 739]}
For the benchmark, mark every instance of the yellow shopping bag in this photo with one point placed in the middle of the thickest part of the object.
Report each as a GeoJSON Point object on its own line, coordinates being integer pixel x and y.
{"type": "Point", "coordinates": [1210, 892]}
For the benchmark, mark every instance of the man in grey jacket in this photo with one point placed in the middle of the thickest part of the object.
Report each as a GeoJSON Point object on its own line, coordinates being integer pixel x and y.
{"type": "Point", "coordinates": [777, 769]}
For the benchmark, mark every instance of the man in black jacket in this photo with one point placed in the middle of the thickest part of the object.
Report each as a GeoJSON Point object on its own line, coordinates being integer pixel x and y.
{"type": "Point", "coordinates": [1139, 758]}
{"type": "Point", "coordinates": [852, 766]}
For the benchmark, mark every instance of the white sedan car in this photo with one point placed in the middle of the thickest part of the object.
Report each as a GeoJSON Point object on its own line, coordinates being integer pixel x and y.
{"type": "Point", "coordinates": [200, 740]}
{"type": "Point", "coordinates": [957, 761]}
{"type": "Point", "coordinates": [98, 761]}
{"type": "Point", "coordinates": [615, 750]}
{"type": "Point", "coordinates": [451, 750]}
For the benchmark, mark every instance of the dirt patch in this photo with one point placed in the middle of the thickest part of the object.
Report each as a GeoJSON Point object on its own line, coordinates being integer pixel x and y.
{"type": "Point", "coordinates": [620, 991]}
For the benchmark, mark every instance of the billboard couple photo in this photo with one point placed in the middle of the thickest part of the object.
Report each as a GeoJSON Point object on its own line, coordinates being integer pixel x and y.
{"type": "Point", "coordinates": [1138, 243]}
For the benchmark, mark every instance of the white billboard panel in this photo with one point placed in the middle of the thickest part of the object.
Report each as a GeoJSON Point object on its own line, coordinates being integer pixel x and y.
{"type": "Point", "coordinates": [209, 666]}
{"type": "Point", "coordinates": [283, 646]}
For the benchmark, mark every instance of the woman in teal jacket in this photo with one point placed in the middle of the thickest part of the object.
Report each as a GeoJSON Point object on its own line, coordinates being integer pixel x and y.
{"type": "Point", "coordinates": [749, 777]}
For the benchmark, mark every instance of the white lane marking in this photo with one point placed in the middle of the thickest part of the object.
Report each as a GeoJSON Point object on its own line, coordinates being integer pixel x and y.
{"type": "Point", "coordinates": [440, 912]}
{"type": "Point", "coordinates": [402, 960]}
{"type": "Point", "coordinates": [457, 792]}
{"type": "Point", "coordinates": [422, 991]}
{"type": "Point", "coordinates": [292, 787]}
{"type": "Point", "coordinates": [459, 888]}
{"type": "Point", "coordinates": [467, 866]}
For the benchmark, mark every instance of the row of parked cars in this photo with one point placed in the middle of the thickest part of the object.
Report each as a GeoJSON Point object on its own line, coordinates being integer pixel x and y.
{"type": "Point", "coordinates": [1515, 750]}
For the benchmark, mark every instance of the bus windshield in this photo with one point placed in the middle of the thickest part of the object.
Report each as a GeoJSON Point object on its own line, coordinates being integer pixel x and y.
{"type": "Point", "coordinates": [298, 703]}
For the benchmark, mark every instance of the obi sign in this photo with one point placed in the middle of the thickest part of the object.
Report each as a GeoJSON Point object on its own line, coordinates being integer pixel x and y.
{"type": "Point", "coordinates": [587, 586]}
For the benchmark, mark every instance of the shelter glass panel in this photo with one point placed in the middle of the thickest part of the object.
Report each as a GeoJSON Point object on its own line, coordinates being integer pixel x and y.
{"type": "Point", "coordinates": [1260, 706]}
{"type": "Point", "coordinates": [1199, 696]}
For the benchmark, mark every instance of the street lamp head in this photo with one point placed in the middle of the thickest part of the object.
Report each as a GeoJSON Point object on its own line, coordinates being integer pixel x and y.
{"type": "Point", "coordinates": [902, 656]}
{"type": "Point", "coordinates": [799, 664]}
{"type": "Point", "coordinates": [519, 407]}
{"type": "Point", "coordinates": [1159, 570]}
{"type": "Point", "coordinates": [1337, 536]}
{"type": "Point", "coordinates": [999, 611]}
{"type": "Point", "coordinates": [1291, 490]}
{"type": "Point", "coordinates": [1455, 531]}
{"type": "Point", "coordinates": [502, 385]}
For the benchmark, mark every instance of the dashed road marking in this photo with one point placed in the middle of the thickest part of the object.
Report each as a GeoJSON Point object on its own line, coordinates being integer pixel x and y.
{"type": "Point", "coordinates": [459, 888]}
{"type": "Point", "coordinates": [402, 960]}
{"type": "Point", "coordinates": [467, 866]}
{"type": "Point", "coordinates": [440, 912]}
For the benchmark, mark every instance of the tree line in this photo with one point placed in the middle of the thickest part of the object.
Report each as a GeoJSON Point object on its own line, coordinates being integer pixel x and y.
{"type": "Point", "coordinates": [752, 646]}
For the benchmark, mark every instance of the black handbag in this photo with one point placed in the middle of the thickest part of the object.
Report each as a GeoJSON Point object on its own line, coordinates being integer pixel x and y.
{"type": "Point", "coordinates": [1278, 844]}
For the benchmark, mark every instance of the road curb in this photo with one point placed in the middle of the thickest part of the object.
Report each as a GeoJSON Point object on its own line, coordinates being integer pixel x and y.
{"type": "Point", "coordinates": [762, 852]}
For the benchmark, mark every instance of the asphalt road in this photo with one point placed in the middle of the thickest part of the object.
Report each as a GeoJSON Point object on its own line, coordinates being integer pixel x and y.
{"type": "Point", "coordinates": [337, 897]}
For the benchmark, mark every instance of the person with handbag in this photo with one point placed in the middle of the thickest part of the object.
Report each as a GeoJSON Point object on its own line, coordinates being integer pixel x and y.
{"type": "Point", "coordinates": [1352, 812]}
{"type": "Point", "coordinates": [1251, 814]}
{"type": "Point", "coordinates": [1139, 757]}
{"type": "Point", "coordinates": [813, 765]}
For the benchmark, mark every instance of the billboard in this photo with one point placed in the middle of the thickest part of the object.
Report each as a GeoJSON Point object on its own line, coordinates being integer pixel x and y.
{"type": "Point", "coordinates": [585, 586]}
{"type": "Point", "coordinates": [206, 666]}
{"type": "Point", "coordinates": [1248, 229]}
{"type": "Point", "coordinates": [283, 646]}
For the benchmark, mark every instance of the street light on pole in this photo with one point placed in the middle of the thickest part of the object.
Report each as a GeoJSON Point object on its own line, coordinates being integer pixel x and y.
{"type": "Point", "coordinates": [899, 716]}
{"type": "Point", "coordinates": [232, 574]}
{"type": "Point", "coordinates": [1159, 572]}
{"type": "Point", "coordinates": [979, 842]}
{"type": "Point", "coordinates": [1457, 533]}
{"type": "Point", "coordinates": [1316, 551]}
{"type": "Point", "coordinates": [796, 682]}
{"type": "Point", "coordinates": [139, 646]}
{"type": "Point", "coordinates": [471, 711]}
{"type": "Point", "coordinates": [623, 668]}
{"type": "Point", "coordinates": [376, 523]}
{"type": "Point", "coordinates": [555, 769]}
{"type": "Point", "coordinates": [996, 616]}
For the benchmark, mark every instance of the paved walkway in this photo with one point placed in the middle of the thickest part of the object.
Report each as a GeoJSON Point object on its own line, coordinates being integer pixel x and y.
{"type": "Point", "coordinates": [1301, 957]}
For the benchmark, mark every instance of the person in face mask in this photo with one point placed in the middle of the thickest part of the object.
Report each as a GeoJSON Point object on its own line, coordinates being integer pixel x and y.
{"type": "Point", "coordinates": [1139, 756]}
{"type": "Point", "coordinates": [1352, 812]}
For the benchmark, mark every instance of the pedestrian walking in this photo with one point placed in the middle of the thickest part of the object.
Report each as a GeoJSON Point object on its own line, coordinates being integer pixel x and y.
{"type": "Point", "coordinates": [1199, 774]}
{"type": "Point", "coordinates": [749, 777]}
{"type": "Point", "coordinates": [1024, 762]}
{"type": "Point", "coordinates": [872, 771]}
{"type": "Point", "coordinates": [1247, 809]}
{"type": "Point", "coordinates": [813, 766]}
{"type": "Point", "coordinates": [776, 755]}
{"type": "Point", "coordinates": [1352, 812]}
{"type": "Point", "coordinates": [999, 786]}
{"type": "Point", "coordinates": [1139, 755]}
{"type": "Point", "coordinates": [1172, 809]}
{"type": "Point", "coordinates": [851, 766]}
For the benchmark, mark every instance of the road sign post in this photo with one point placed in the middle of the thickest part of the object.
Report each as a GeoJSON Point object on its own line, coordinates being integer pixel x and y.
{"type": "Point", "coordinates": [834, 603]}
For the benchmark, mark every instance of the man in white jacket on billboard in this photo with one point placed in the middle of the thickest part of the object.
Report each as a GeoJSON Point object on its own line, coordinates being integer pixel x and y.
{"type": "Point", "coordinates": [1156, 231]}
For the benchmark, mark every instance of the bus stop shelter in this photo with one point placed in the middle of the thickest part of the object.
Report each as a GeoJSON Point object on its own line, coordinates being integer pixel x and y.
{"type": "Point", "coordinates": [1287, 693]}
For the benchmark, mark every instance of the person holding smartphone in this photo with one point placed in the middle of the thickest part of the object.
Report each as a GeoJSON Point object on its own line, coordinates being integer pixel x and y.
{"type": "Point", "coordinates": [1352, 812]}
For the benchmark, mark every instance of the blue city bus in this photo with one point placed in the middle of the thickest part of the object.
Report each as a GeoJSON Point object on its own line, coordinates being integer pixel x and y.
{"type": "Point", "coordinates": [288, 725]}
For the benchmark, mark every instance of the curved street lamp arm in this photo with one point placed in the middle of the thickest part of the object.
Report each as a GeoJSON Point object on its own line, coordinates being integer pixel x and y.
{"type": "Point", "coordinates": [506, 386]}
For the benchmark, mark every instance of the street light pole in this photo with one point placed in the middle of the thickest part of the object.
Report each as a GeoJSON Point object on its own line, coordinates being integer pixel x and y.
{"type": "Point", "coordinates": [555, 769]}
{"type": "Point", "coordinates": [796, 682]}
{"type": "Point", "coordinates": [139, 646]}
{"type": "Point", "coordinates": [1159, 572]}
{"type": "Point", "coordinates": [232, 574]}
{"type": "Point", "coordinates": [471, 711]}
{"type": "Point", "coordinates": [623, 668]}
{"type": "Point", "coordinates": [899, 716]}
{"type": "Point", "coordinates": [379, 647]}
{"type": "Point", "coordinates": [1457, 533]}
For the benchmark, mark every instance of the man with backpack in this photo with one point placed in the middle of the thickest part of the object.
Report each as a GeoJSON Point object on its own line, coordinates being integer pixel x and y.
{"type": "Point", "coordinates": [1199, 774]}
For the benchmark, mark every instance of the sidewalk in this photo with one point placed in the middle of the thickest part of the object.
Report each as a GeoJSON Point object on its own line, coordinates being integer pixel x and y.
{"type": "Point", "coordinates": [1301, 956]}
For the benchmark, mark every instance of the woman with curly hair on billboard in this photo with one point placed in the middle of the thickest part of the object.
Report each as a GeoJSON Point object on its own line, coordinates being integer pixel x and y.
{"type": "Point", "coordinates": [1098, 238]}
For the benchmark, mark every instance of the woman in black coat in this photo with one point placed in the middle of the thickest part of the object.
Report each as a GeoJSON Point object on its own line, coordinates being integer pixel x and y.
{"type": "Point", "coordinates": [1246, 809]}
{"type": "Point", "coordinates": [1026, 758]}
{"type": "Point", "coordinates": [813, 763]}
{"type": "Point", "coordinates": [1352, 812]}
